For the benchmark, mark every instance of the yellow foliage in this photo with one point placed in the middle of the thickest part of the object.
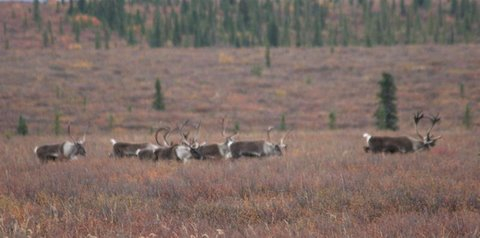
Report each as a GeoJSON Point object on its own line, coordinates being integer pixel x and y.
{"type": "Point", "coordinates": [82, 64]}
{"type": "Point", "coordinates": [280, 93]}
{"type": "Point", "coordinates": [224, 58]}
{"type": "Point", "coordinates": [74, 46]}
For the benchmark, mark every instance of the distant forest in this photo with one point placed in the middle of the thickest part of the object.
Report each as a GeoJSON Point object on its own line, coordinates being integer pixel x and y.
{"type": "Point", "coordinates": [283, 23]}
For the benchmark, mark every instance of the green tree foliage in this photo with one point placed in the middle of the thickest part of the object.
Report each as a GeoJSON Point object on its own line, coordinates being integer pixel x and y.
{"type": "Point", "coordinates": [332, 120]}
{"type": "Point", "coordinates": [467, 117]}
{"type": "Point", "coordinates": [283, 123]}
{"type": "Point", "coordinates": [158, 103]}
{"type": "Point", "coordinates": [57, 129]}
{"type": "Point", "coordinates": [386, 113]}
{"type": "Point", "coordinates": [156, 33]}
{"type": "Point", "coordinates": [273, 34]}
{"type": "Point", "coordinates": [37, 16]}
{"type": "Point", "coordinates": [246, 23]}
{"type": "Point", "coordinates": [22, 128]}
{"type": "Point", "coordinates": [98, 41]}
{"type": "Point", "coordinates": [267, 55]}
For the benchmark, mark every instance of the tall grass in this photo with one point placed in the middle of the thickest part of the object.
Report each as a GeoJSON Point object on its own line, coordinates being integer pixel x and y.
{"type": "Point", "coordinates": [324, 186]}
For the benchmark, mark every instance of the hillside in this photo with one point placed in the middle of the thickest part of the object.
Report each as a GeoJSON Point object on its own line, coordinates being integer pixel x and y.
{"type": "Point", "coordinates": [115, 87]}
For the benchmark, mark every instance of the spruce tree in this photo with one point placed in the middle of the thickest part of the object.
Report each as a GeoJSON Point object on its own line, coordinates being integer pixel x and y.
{"type": "Point", "coordinates": [37, 17]}
{"type": "Point", "coordinates": [267, 55]}
{"type": "Point", "coordinates": [158, 103]}
{"type": "Point", "coordinates": [467, 117]}
{"type": "Point", "coordinates": [386, 113]}
{"type": "Point", "coordinates": [22, 128]}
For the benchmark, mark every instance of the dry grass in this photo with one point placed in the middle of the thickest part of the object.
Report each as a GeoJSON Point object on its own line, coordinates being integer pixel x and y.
{"type": "Point", "coordinates": [324, 186]}
{"type": "Point", "coordinates": [303, 84]}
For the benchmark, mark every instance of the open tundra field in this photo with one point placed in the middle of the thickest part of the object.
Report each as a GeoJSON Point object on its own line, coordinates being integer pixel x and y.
{"type": "Point", "coordinates": [323, 186]}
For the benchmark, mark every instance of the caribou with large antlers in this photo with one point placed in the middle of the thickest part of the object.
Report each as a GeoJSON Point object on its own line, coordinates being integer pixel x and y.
{"type": "Point", "coordinates": [183, 151]}
{"type": "Point", "coordinates": [404, 144]}
{"type": "Point", "coordinates": [125, 149]}
{"type": "Point", "coordinates": [260, 148]}
{"type": "Point", "coordinates": [68, 150]}
{"type": "Point", "coordinates": [216, 151]}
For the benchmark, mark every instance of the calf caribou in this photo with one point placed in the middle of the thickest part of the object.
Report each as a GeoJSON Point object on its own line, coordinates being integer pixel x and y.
{"type": "Point", "coordinates": [404, 144]}
{"type": "Point", "coordinates": [258, 148]}
{"type": "Point", "coordinates": [68, 150]}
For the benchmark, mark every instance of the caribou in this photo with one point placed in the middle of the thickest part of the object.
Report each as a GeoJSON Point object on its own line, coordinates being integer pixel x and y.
{"type": "Point", "coordinates": [216, 151]}
{"type": "Point", "coordinates": [68, 150]}
{"type": "Point", "coordinates": [183, 151]}
{"type": "Point", "coordinates": [404, 144]}
{"type": "Point", "coordinates": [260, 148]}
{"type": "Point", "coordinates": [125, 149]}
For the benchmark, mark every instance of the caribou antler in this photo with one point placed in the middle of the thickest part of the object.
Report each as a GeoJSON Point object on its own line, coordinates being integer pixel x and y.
{"type": "Point", "coordinates": [434, 119]}
{"type": "Point", "coordinates": [269, 129]}
{"type": "Point", "coordinates": [197, 132]}
{"type": "Point", "coordinates": [416, 118]}
{"type": "Point", "coordinates": [85, 133]}
{"type": "Point", "coordinates": [283, 138]}
{"type": "Point", "coordinates": [223, 127]}
{"type": "Point", "coordinates": [167, 130]}
{"type": "Point", "coordinates": [180, 128]}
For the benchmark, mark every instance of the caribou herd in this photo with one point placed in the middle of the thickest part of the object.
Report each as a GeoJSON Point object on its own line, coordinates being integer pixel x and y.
{"type": "Point", "coordinates": [186, 148]}
{"type": "Point", "coordinates": [189, 147]}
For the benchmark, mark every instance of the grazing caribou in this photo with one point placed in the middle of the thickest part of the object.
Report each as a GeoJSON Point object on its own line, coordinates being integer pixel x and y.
{"type": "Point", "coordinates": [404, 144]}
{"type": "Point", "coordinates": [260, 148]}
{"type": "Point", "coordinates": [68, 150]}
{"type": "Point", "coordinates": [180, 152]}
{"type": "Point", "coordinates": [216, 151]}
{"type": "Point", "coordinates": [125, 149]}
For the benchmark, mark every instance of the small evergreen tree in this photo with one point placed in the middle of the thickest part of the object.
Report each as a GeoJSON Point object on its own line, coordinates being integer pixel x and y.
{"type": "Point", "coordinates": [332, 120]}
{"type": "Point", "coordinates": [106, 37]}
{"type": "Point", "coordinates": [462, 90]}
{"type": "Point", "coordinates": [98, 43]}
{"type": "Point", "coordinates": [267, 55]}
{"type": "Point", "coordinates": [283, 123]}
{"type": "Point", "coordinates": [386, 113]}
{"type": "Point", "coordinates": [45, 39]}
{"type": "Point", "coordinates": [37, 17]}
{"type": "Point", "coordinates": [22, 128]}
{"type": "Point", "coordinates": [467, 117]}
{"type": "Point", "coordinates": [56, 124]}
{"type": "Point", "coordinates": [158, 103]}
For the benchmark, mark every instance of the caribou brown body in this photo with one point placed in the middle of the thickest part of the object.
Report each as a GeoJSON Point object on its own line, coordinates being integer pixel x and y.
{"type": "Point", "coordinates": [403, 144]}
{"type": "Point", "coordinates": [68, 150]}
{"type": "Point", "coordinates": [219, 150]}
{"type": "Point", "coordinates": [168, 151]}
{"type": "Point", "coordinates": [124, 149]}
{"type": "Point", "coordinates": [259, 148]}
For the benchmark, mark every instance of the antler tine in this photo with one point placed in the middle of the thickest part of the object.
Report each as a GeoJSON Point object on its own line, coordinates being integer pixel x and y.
{"type": "Point", "coordinates": [165, 137]}
{"type": "Point", "coordinates": [180, 128]}
{"type": "Point", "coordinates": [85, 133]}
{"type": "Point", "coordinates": [416, 118]}
{"type": "Point", "coordinates": [69, 134]}
{"type": "Point", "coordinates": [197, 127]}
{"type": "Point", "coordinates": [434, 119]}
{"type": "Point", "coordinates": [284, 136]}
{"type": "Point", "coordinates": [269, 129]}
{"type": "Point", "coordinates": [223, 127]}
{"type": "Point", "coordinates": [167, 129]}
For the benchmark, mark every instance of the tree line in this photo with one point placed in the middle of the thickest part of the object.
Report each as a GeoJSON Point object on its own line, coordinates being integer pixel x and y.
{"type": "Point", "coordinates": [300, 23]}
